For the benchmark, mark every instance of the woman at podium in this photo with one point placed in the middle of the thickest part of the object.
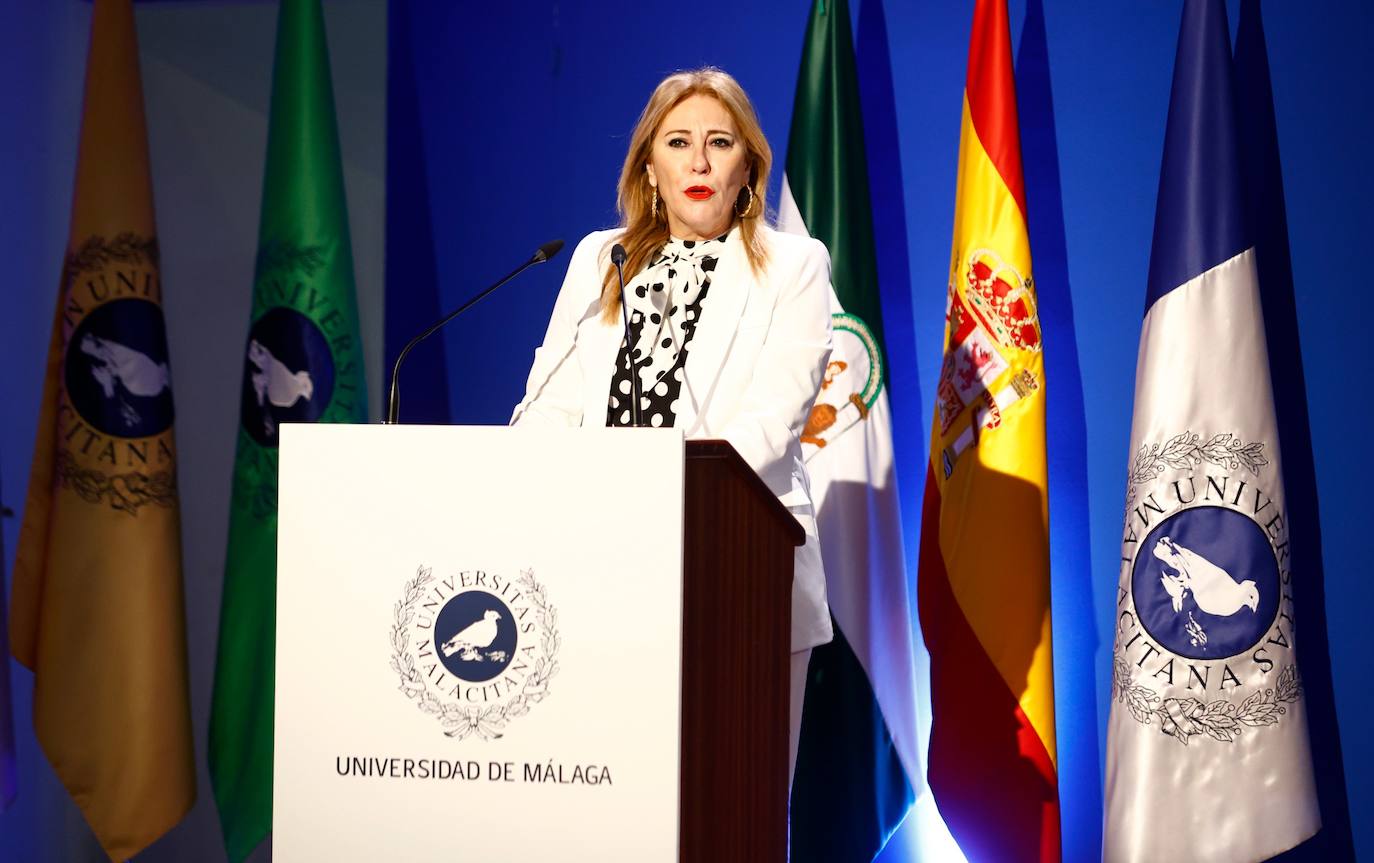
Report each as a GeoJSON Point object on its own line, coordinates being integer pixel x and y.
{"type": "Point", "coordinates": [723, 325]}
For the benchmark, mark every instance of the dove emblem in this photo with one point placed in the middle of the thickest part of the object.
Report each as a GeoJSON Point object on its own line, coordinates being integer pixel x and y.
{"type": "Point", "coordinates": [1212, 588]}
{"type": "Point", "coordinates": [117, 375]}
{"type": "Point", "coordinates": [116, 364]}
{"type": "Point", "coordinates": [1205, 582]}
{"type": "Point", "coordinates": [117, 367]}
{"type": "Point", "coordinates": [276, 383]}
{"type": "Point", "coordinates": [289, 375]}
{"type": "Point", "coordinates": [474, 638]}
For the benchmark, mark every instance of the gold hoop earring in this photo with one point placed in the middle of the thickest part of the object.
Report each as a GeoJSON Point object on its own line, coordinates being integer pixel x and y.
{"type": "Point", "coordinates": [747, 207]}
{"type": "Point", "coordinates": [653, 207]}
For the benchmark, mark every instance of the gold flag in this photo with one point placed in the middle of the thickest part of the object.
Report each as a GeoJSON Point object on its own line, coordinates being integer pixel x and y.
{"type": "Point", "coordinates": [98, 611]}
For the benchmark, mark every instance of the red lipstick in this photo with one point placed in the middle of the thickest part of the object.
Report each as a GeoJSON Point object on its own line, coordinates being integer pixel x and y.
{"type": "Point", "coordinates": [699, 193]}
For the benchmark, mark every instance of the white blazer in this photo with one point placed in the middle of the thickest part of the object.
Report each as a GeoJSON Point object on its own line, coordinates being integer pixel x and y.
{"type": "Point", "coordinates": [753, 370]}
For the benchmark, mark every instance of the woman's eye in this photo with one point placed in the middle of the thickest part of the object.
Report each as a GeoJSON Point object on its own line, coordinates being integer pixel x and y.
{"type": "Point", "coordinates": [677, 142]}
{"type": "Point", "coordinates": [722, 143]}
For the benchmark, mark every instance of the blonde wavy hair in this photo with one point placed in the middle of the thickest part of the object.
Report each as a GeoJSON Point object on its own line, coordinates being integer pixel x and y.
{"type": "Point", "coordinates": [646, 233]}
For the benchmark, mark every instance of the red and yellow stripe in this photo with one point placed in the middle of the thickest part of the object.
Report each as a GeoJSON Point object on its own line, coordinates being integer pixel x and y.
{"type": "Point", "coordinates": [984, 563]}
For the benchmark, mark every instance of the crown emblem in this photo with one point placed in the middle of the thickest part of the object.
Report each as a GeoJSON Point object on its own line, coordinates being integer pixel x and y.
{"type": "Point", "coordinates": [1002, 300]}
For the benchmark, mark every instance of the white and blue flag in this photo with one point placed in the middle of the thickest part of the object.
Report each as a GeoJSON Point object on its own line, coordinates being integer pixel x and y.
{"type": "Point", "coordinates": [1207, 751]}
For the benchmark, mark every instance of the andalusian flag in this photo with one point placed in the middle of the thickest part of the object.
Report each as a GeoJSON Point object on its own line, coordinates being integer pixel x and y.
{"type": "Point", "coordinates": [97, 603]}
{"type": "Point", "coordinates": [1207, 750]}
{"type": "Point", "coordinates": [303, 363]}
{"type": "Point", "coordinates": [984, 581]}
{"type": "Point", "coordinates": [858, 760]}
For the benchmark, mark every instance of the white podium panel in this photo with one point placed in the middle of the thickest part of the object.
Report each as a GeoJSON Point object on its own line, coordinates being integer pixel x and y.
{"type": "Point", "coordinates": [478, 644]}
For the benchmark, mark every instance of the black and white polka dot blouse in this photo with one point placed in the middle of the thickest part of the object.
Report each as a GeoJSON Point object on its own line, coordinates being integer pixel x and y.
{"type": "Point", "coordinates": [665, 303]}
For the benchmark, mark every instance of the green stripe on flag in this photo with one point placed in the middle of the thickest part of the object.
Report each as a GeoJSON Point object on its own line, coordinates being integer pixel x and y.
{"type": "Point", "coordinates": [851, 790]}
{"type": "Point", "coordinates": [827, 169]}
{"type": "Point", "coordinates": [303, 363]}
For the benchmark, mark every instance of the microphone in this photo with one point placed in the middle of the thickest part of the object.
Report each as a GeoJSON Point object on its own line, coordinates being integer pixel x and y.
{"type": "Point", "coordinates": [393, 404]}
{"type": "Point", "coordinates": [542, 254]}
{"type": "Point", "coordinates": [618, 258]}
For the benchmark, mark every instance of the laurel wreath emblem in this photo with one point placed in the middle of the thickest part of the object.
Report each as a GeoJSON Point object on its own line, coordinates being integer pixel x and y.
{"type": "Point", "coordinates": [255, 479]}
{"type": "Point", "coordinates": [1220, 719]}
{"type": "Point", "coordinates": [127, 492]}
{"type": "Point", "coordinates": [97, 252]}
{"type": "Point", "coordinates": [1188, 450]}
{"type": "Point", "coordinates": [459, 720]}
{"type": "Point", "coordinates": [289, 258]}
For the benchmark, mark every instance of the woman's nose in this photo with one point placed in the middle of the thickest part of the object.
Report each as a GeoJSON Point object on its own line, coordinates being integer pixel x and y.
{"type": "Point", "coordinates": [700, 163]}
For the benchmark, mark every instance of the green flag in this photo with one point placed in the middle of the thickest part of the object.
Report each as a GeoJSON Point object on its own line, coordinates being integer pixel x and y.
{"type": "Point", "coordinates": [303, 364]}
{"type": "Point", "coordinates": [858, 760]}
{"type": "Point", "coordinates": [827, 169]}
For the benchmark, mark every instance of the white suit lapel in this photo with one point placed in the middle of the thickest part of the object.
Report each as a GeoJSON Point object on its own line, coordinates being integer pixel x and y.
{"type": "Point", "coordinates": [731, 284]}
{"type": "Point", "coordinates": [597, 344]}
{"type": "Point", "coordinates": [602, 345]}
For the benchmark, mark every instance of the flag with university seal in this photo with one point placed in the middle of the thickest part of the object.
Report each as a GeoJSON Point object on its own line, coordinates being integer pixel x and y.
{"type": "Point", "coordinates": [97, 609]}
{"type": "Point", "coordinates": [858, 760]}
{"type": "Point", "coordinates": [303, 362]}
{"type": "Point", "coordinates": [1207, 750]}
{"type": "Point", "coordinates": [984, 583]}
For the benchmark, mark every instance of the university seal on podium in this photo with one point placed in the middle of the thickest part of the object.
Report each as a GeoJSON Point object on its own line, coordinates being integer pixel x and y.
{"type": "Point", "coordinates": [475, 648]}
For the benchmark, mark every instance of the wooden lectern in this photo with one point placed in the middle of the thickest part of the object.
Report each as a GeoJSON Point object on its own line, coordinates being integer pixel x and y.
{"type": "Point", "coordinates": [737, 622]}
{"type": "Point", "coordinates": [504, 644]}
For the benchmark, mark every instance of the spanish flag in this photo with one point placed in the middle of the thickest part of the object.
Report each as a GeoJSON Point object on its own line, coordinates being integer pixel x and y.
{"type": "Point", "coordinates": [97, 600]}
{"type": "Point", "coordinates": [984, 583]}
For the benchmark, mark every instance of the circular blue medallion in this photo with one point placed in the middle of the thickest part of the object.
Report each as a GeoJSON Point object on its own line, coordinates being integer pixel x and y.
{"type": "Point", "coordinates": [1206, 583]}
{"type": "Point", "coordinates": [116, 370]}
{"type": "Point", "coordinates": [288, 375]}
{"type": "Point", "coordinates": [475, 636]}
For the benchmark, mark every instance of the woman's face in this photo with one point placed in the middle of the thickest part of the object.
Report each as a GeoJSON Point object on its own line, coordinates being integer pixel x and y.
{"type": "Point", "coordinates": [698, 164]}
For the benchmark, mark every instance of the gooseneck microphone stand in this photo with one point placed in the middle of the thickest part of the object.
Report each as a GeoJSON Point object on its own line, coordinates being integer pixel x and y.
{"type": "Point", "coordinates": [393, 403]}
